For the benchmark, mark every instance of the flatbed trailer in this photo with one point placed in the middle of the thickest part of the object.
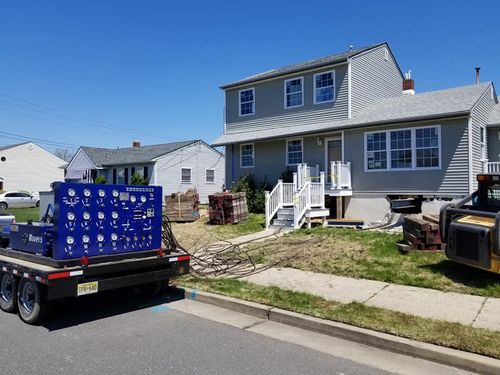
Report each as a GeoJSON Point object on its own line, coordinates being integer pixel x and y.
{"type": "Point", "coordinates": [29, 286]}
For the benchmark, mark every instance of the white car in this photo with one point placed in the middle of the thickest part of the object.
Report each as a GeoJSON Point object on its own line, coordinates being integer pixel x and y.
{"type": "Point", "coordinates": [18, 199]}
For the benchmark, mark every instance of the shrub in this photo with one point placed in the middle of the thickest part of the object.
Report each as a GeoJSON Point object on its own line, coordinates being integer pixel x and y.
{"type": "Point", "coordinates": [287, 176]}
{"type": "Point", "coordinates": [256, 198]}
{"type": "Point", "coordinates": [137, 179]}
{"type": "Point", "coordinates": [100, 180]}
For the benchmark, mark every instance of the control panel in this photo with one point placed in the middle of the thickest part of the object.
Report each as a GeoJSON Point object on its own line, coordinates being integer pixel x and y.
{"type": "Point", "coordinates": [92, 220]}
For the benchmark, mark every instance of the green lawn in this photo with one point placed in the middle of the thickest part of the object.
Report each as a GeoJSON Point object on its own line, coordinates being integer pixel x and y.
{"type": "Point", "coordinates": [447, 334]}
{"type": "Point", "coordinates": [24, 214]}
{"type": "Point", "coordinates": [372, 255]}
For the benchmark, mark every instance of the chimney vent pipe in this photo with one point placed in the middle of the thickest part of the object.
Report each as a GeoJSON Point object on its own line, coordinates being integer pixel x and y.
{"type": "Point", "coordinates": [478, 68]}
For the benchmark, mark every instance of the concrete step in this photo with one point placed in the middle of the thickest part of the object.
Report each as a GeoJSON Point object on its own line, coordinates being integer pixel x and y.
{"type": "Point", "coordinates": [286, 210]}
{"type": "Point", "coordinates": [284, 216]}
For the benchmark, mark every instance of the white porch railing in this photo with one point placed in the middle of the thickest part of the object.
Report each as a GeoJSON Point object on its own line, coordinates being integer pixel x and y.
{"type": "Point", "coordinates": [491, 167]}
{"type": "Point", "coordinates": [302, 203]}
{"type": "Point", "coordinates": [341, 175]}
{"type": "Point", "coordinates": [309, 195]}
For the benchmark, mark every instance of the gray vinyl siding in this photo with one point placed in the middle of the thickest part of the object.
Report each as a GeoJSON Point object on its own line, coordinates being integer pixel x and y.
{"type": "Point", "coordinates": [270, 159]}
{"type": "Point", "coordinates": [449, 181]}
{"type": "Point", "coordinates": [269, 104]}
{"type": "Point", "coordinates": [493, 144]}
{"type": "Point", "coordinates": [480, 115]}
{"type": "Point", "coordinates": [373, 78]}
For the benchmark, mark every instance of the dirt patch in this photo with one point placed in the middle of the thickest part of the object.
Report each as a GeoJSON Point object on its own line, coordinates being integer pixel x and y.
{"type": "Point", "coordinates": [309, 252]}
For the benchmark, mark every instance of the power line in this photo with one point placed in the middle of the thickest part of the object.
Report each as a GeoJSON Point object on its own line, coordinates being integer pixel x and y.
{"type": "Point", "coordinates": [41, 140]}
{"type": "Point", "coordinates": [90, 122]}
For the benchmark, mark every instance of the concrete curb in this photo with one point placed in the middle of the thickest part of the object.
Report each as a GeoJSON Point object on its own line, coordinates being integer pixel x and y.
{"type": "Point", "coordinates": [430, 352]}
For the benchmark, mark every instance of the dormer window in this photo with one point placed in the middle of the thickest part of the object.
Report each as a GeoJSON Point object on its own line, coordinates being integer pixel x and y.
{"type": "Point", "coordinates": [247, 102]}
{"type": "Point", "coordinates": [324, 87]}
{"type": "Point", "coordinates": [294, 92]}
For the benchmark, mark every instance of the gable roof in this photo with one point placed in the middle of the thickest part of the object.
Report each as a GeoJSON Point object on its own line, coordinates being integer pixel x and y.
{"type": "Point", "coordinates": [310, 64]}
{"type": "Point", "coordinates": [102, 157]}
{"type": "Point", "coordinates": [2, 148]}
{"type": "Point", "coordinates": [454, 102]}
{"type": "Point", "coordinates": [495, 116]}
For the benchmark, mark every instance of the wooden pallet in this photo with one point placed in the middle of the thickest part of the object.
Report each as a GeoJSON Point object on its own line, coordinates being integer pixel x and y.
{"type": "Point", "coordinates": [182, 207]}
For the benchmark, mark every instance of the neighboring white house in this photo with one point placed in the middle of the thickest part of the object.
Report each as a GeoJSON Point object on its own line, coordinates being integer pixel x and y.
{"type": "Point", "coordinates": [26, 166]}
{"type": "Point", "coordinates": [175, 166]}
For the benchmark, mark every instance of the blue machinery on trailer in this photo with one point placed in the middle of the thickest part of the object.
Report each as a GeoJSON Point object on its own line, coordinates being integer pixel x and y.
{"type": "Point", "coordinates": [91, 220]}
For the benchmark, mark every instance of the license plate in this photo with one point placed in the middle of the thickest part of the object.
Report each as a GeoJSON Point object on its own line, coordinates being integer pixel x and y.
{"type": "Point", "coordinates": [88, 288]}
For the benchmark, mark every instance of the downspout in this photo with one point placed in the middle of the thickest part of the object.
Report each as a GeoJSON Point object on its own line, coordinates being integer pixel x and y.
{"type": "Point", "coordinates": [232, 165]}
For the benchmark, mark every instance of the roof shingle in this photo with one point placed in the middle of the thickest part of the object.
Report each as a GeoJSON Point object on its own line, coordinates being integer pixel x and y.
{"type": "Point", "coordinates": [130, 155]}
{"type": "Point", "coordinates": [310, 64]}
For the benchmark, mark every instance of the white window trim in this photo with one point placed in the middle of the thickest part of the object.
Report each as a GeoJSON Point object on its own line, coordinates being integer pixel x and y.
{"type": "Point", "coordinates": [314, 87]}
{"type": "Point", "coordinates": [206, 180]}
{"type": "Point", "coordinates": [239, 102]}
{"type": "Point", "coordinates": [190, 175]}
{"type": "Point", "coordinates": [286, 150]}
{"type": "Point", "coordinates": [284, 92]}
{"type": "Point", "coordinates": [413, 150]}
{"type": "Point", "coordinates": [253, 155]}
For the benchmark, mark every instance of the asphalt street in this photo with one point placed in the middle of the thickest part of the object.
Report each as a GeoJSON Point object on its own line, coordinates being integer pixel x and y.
{"type": "Point", "coordinates": [121, 333]}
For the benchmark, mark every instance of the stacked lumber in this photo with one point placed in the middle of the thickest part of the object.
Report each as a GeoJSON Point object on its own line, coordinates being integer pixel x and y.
{"type": "Point", "coordinates": [182, 207]}
{"type": "Point", "coordinates": [227, 208]}
{"type": "Point", "coordinates": [422, 233]}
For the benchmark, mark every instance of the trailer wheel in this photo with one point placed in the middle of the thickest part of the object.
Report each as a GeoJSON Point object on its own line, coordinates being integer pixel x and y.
{"type": "Point", "coordinates": [153, 289]}
{"type": "Point", "coordinates": [8, 292]}
{"type": "Point", "coordinates": [31, 301]}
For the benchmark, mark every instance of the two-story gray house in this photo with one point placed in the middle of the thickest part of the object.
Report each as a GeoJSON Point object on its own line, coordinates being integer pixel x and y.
{"type": "Point", "coordinates": [355, 117]}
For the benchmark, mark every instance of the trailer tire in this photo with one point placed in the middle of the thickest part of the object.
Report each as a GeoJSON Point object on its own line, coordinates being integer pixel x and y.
{"type": "Point", "coordinates": [31, 301]}
{"type": "Point", "coordinates": [8, 292]}
{"type": "Point", "coordinates": [153, 289]}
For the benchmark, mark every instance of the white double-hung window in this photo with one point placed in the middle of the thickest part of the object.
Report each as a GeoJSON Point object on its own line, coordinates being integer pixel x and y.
{"type": "Point", "coordinates": [247, 102]}
{"type": "Point", "coordinates": [403, 149]}
{"type": "Point", "coordinates": [324, 87]}
{"type": "Point", "coordinates": [293, 151]}
{"type": "Point", "coordinates": [247, 155]}
{"type": "Point", "coordinates": [294, 92]}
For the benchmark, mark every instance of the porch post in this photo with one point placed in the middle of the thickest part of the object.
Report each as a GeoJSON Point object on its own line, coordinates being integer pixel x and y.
{"type": "Point", "coordinates": [268, 219]}
{"type": "Point", "coordinates": [322, 180]}
{"type": "Point", "coordinates": [295, 181]}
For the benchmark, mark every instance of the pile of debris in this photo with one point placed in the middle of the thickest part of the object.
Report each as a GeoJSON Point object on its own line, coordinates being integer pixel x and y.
{"type": "Point", "coordinates": [227, 208]}
{"type": "Point", "coordinates": [181, 207]}
{"type": "Point", "coordinates": [421, 234]}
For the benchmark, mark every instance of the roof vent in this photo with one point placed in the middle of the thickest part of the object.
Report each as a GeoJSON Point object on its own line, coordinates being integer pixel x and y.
{"type": "Point", "coordinates": [408, 84]}
{"type": "Point", "coordinates": [478, 68]}
{"type": "Point", "coordinates": [136, 144]}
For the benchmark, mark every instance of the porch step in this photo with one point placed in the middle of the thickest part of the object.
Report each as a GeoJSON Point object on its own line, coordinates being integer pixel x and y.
{"type": "Point", "coordinates": [283, 223]}
{"type": "Point", "coordinates": [285, 214]}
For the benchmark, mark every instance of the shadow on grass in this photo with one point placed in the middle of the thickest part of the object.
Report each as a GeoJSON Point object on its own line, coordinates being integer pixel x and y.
{"type": "Point", "coordinates": [466, 275]}
{"type": "Point", "coordinates": [75, 311]}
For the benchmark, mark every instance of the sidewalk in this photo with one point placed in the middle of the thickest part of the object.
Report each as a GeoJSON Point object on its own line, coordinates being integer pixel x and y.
{"type": "Point", "coordinates": [476, 311]}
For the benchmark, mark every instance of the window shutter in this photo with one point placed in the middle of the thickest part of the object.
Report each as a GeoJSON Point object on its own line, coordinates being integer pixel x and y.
{"type": "Point", "coordinates": [146, 173]}
{"type": "Point", "coordinates": [126, 176]}
{"type": "Point", "coordinates": [132, 171]}
{"type": "Point", "coordinates": [114, 175]}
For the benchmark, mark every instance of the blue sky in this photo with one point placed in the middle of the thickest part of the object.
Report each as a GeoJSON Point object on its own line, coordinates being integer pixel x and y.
{"type": "Point", "coordinates": [102, 73]}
